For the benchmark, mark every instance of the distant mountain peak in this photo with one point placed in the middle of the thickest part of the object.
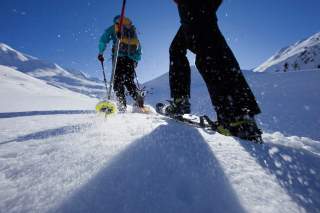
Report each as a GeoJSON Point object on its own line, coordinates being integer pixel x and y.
{"type": "Point", "coordinates": [52, 73]}
{"type": "Point", "coordinates": [302, 55]}
{"type": "Point", "coordinates": [14, 54]}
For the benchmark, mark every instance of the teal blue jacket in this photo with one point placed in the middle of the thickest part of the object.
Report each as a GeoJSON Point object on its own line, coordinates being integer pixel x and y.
{"type": "Point", "coordinates": [110, 34]}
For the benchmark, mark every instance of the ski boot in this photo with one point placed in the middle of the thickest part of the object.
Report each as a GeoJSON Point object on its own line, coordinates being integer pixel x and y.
{"type": "Point", "coordinates": [178, 106]}
{"type": "Point", "coordinates": [139, 100]}
{"type": "Point", "coordinates": [244, 128]}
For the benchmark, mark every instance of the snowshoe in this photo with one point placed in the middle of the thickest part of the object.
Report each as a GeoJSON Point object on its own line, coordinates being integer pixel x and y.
{"type": "Point", "coordinates": [177, 106]}
{"type": "Point", "coordinates": [245, 128]}
{"type": "Point", "coordinates": [203, 122]}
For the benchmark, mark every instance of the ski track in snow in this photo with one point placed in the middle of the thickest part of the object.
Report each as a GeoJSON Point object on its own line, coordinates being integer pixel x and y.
{"type": "Point", "coordinates": [145, 163]}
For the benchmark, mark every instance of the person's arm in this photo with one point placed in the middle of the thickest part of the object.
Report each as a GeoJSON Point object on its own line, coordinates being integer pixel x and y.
{"type": "Point", "coordinates": [139, 53]}
{"type": "Point", "coordinates": [105, 39]}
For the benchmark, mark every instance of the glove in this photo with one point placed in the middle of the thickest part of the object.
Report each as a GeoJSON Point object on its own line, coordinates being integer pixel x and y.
{"type": "Point", "coordinates": [118, 35]}
{"type": "Point", "coordinates": [101, 58]}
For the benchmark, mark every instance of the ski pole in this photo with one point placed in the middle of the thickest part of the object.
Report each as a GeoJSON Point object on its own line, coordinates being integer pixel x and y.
{"type": "Point", "coordinates": [115, 60]}
{"type": "Point", "coordinates": [104, 76]}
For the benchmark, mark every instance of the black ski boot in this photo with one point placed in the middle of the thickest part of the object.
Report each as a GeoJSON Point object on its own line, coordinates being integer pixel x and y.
{"type": "Point", "coordinates": [244, 128]}
{"type": "Point", "coordinates": [139, 100]}
{"type": "Point", "coordinates": [178, 106]}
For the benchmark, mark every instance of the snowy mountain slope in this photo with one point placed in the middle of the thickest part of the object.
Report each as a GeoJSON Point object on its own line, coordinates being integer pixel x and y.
{"type": "Point", "coordinates": [146, 163]}
{"type": "Point", "coordinates": [61, 162]}
{"type": "Point", "coordinates": [289, 101]}
{"type": "Point", "coordinates": [50, 72]}
{"type": "Point", "coordinates": [21, 92]}
{"type": "Point", "coordinates": [303, 55]}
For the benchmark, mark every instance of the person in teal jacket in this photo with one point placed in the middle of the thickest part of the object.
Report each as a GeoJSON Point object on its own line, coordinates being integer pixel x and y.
{"type": "Point", "coordinates": [128, 57]}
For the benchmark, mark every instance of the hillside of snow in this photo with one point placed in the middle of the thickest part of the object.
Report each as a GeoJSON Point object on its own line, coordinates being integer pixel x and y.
{"type": "Point", "coordinates": [145, 163]}
{"type": "Point", "coordinates": [303, 55]}
{"type": "Point", "coordinates": [20, 93]}
{"type": "Point", "coordinates": [58, 156]}
{"type": "Point", "coordinates": [289, 101]}
{"type": "Point", "coordinates": [51, 73]}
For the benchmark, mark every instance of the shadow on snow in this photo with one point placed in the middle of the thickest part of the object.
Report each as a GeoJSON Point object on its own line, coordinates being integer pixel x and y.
{"type": "Point", "coordinates": [296, 170]}
{"type": "Point", "coordinates": [52, 112]}
{"type": "Point", "coordinates": [50, 133]}
{"type": "Point", "coordinates": [170, 170]}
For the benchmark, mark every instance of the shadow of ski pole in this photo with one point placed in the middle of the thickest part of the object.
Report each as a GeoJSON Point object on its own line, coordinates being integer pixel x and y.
{"type": "Point", "coordinates": [53, 112]}
{"type": "Point", "coordinates": [50, 133]}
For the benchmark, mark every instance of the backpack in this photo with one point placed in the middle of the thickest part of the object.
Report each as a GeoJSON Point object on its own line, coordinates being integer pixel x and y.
{"type": "Point", "coordinates": [129, 42]}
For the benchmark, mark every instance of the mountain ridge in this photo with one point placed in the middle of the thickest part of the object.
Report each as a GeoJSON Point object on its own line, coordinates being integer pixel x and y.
{"type": "Point", "coordinates": [302, 55]}
{"type": "Point", "coordinates": [51, 73]}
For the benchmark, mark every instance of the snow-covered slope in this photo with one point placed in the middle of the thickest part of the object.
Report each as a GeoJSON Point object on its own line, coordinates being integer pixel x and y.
{"type": "Point", "coordinates": [289, 101]}
{"type": "Point", "coordinates": [50, 72]}
{"type": "Point", "coordinates": [141, 163]}
{"type": "Point", "coordinates": [145, 163]}
{"type": "Point", "coordinates": [20, 92]}
{"type": "Point", "coordinates": [303, 55]}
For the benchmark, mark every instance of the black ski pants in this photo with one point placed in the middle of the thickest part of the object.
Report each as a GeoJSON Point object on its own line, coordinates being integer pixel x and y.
{"type": "Point", "coordinates": [124, 78]}
{"type": "Point", "coordinates": [230, 94]}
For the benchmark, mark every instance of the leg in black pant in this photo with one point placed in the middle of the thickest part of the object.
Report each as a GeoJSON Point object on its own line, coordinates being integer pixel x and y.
{"type": "Point", "coordinates": [129, 78]}
{"type": "Point", "coordinates": [230, 94]}
{"type": "Point", "coordinates": [179, 72]}
{"type": "Point", "coordinates": [228, 89]}
{"type": "Point", "coordinates": [124, 78]}
{"type": "Point", "coordinates": [118, 84]}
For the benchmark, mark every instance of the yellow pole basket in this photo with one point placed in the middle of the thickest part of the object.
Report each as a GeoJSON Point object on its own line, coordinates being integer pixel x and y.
{"type": "Point", "coordinates": [106, 107]}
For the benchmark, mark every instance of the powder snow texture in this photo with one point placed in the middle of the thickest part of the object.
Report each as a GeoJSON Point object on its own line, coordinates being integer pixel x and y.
{"type": "Point", "coordinates": [146, 163]}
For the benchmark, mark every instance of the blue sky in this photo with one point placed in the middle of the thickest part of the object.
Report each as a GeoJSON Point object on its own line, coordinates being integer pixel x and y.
{"type": "Point", "coordinates": [67, 32]}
